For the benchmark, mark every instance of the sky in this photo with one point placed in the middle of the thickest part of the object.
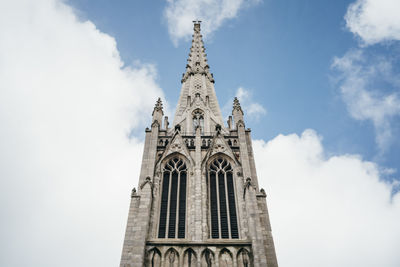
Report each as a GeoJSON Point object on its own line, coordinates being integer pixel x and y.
{"type": "Point", "coordinates": [319, 82]}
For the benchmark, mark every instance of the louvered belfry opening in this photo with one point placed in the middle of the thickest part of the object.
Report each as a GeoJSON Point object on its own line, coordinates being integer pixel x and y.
{"type": "Point", "coordinates": [173, 200]}
{"type": "Point", "coordinates": [222, 200]}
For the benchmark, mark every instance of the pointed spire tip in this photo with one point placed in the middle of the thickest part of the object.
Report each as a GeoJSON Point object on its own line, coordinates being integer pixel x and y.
{"type": "Point", "coordinates": [196, 26]}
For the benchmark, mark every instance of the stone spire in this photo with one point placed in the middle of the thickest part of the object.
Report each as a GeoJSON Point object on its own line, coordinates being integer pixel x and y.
{"type": "Point", "coordinates": [197, 60]}
{"type": "Point", "coordinates": [197, 88]}
{"type": "Point", "coordinates": [198, 190]}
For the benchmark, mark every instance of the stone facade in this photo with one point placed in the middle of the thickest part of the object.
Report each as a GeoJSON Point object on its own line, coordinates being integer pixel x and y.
{"type": "Point", "coordinates": [198, 202]}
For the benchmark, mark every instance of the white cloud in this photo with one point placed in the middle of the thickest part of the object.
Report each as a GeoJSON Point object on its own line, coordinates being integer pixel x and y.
{"type": "Point", "coordinates": [67, 106]}
{"type": "Point", "coordinates": [180, 14]}
{"type": "Point", "coordinates": [252, 109]}
{"type": "Point", "coordinates": [332, 211]}
{"type": "Point", "coordinates": [358, 76]}
{"type": "Point", "coordinates": [374, 21]}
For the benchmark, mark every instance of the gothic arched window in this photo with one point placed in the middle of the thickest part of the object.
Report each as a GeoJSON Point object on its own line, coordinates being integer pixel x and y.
{"type": "Point", "coordinates": [198, 121]}
{"type": "Point", "coordinates": [222, 200]}
{"type": "Point", "coordinates": [173, 200]}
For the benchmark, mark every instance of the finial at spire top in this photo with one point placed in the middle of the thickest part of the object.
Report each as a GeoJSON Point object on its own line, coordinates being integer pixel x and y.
{"type": "Point", "coordinates": [196, 25]}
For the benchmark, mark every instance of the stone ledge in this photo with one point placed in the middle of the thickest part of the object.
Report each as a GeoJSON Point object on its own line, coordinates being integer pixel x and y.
{"type": "Point", "coordinates": [212, 242]}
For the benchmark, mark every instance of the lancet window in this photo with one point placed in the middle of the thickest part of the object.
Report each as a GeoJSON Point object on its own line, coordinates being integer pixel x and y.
{"type": "Point", "coordinates": [173, 200]}
{"type": "Point", "coordinates": [198, 121]}
{"type": "Point", "coordinates": [223, 217]}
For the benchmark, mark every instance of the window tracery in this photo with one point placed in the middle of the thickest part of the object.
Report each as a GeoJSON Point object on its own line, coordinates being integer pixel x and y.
{"type": "Point", "coordinates": [223, 217]}
{"type": "Point", "coordinates": [173, 200]}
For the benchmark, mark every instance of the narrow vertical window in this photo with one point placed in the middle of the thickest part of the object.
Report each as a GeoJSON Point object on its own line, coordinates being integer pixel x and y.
{"type": "Point", "coordinates": [213, 206]}
{"type": "Point", "coordinates": [222, 205]}
{"type": "Point", "coordinates": [172, 222]}
{"type": "Point", "coordinates": [223, 217]}
{"type": "Point", "coordinates": [164, 205]}
{"type": "Point", "coordinates": [182, 206]}
{"type": "Point", "coordinates": [232, 205]}
{"type": "Point", "coordinates": [172, 205]}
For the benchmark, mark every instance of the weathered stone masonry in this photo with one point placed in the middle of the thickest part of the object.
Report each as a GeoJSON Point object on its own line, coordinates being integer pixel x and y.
{"type": "Point", "coordinates": [198, 201]}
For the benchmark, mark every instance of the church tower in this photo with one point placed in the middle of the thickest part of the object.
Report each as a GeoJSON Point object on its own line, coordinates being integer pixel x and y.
{"type": "Point", "coordinates": [198, 202]}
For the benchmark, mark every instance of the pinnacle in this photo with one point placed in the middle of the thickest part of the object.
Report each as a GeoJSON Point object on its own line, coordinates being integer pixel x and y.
{"type": "Point", "coordinates": [159, 103]}
{"type": "Point", "coordinates": [158, 106]}
{"type": "Point", "coordinates": [236, 104]}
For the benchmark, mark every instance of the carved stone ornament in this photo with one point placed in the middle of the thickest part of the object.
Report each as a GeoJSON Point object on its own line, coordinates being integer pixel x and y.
{"type": "Point", "coordinates": [244, 258]}
{"type": "Point", "coordinates": [225, 259]}
{"type": "Point", "coordinates": [262, 191]}
{"type": "Point", "coordinates": [171, 257]}
{"type": "Point", "coordinates": [247, 185]}
{"type": "Point", "coordinates": [208, 257]}
{"type": "Point", "coordinates": [240, 123]}
{"type": "Point", "coordinates": [219, 148]}
{"type": "Point", "coordinates": [147, 181]}
{"type": "Point", "coordinates": [134, 193]}
{"type": "Point", "coordinates": [155, 124]}
{"type": "Point", "coordinates": [178, 145]}
{"type": "Point", "coordinates": [219, 145]}
{"type": "Point", "coordinates": [158, 107]}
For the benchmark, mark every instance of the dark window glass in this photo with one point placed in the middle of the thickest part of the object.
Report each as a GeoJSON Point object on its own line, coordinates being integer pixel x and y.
{"type": "Point", "coordinates": [164, 205]}
{"type": "Point", "coordinates": [232, 206]}
{"type": "Point", "coordinates": [173, 203]}
{"type": "Point", "coordinates": [222, 203]}
{"type": "Point", "coordinates": [182, 206]}
{"type": "Point", "coordinates": [214, 207]}
{"type": "Point", "coordinates": [222, 206]}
